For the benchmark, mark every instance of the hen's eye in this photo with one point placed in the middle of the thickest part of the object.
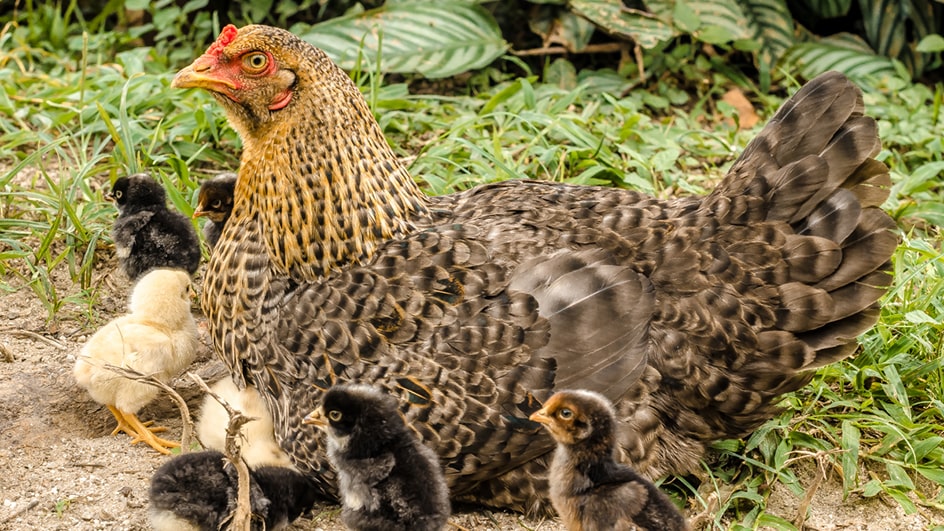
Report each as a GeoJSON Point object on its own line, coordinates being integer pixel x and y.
{"type": "Point", "coordinates": [255, 62]}
{"type": "Point", "coordinates": [565, 414]}
{"type": "Point", "coordinates": [334, 415]}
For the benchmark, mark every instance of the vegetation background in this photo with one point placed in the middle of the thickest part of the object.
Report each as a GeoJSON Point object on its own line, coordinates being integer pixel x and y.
{"type": "Point", "coordinates": [657, 95]}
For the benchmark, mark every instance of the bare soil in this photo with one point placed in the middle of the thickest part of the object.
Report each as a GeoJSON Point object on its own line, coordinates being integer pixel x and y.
{"type": "Point", "coordinates": [61, 469]}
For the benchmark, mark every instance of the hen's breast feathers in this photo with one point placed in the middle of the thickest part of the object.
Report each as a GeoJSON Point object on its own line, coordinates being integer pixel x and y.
{"type": "Point", "coordinates": [692, 315]}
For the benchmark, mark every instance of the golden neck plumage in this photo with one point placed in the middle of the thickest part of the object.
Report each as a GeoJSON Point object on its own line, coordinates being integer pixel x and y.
{"type": "Point", "coordinates": [322, 182]}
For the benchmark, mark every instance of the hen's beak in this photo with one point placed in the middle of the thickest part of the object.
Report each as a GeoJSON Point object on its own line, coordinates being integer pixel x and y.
{"type": "Point", "coordinates": [316, 418]}
{"type": "Point", "coordinates": [540, 416]}
{"type": "Point", "coordinates": [198, 75]}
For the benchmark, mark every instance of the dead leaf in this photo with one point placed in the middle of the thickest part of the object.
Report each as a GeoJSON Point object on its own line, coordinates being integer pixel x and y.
{"type": "Point", "coordinates": [747, 118]}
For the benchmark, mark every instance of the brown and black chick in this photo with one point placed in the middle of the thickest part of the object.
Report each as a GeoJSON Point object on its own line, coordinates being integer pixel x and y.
{"type": "Point", "coordinates": [589, 488]}
{"type": "Point", "coordinates": [157, 338]}
{"type": "Point", "coordinates": [147, 234]}
{"type": "Point", "coordinates": [387, 478]}
{"type": "Point", "coordinates": [215, 202]}
{"type": "Point", "coordinates": [198, 491]}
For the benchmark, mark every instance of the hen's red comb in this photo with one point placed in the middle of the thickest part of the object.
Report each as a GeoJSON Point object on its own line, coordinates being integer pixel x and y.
{"type": "Point", "coordinates": [226, 36]}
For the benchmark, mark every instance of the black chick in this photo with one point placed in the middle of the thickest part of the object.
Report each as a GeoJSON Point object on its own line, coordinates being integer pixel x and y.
{"type": "Point", "coordinates": [590, 489]}
{"type": "Point", "coordinates": [387, 478]}
{"type": "Point", "coordinates": [198, 491]}
{"type": "Point", "coordinates": [147, 234]}
{"type": "Point", "coordinates": [215, 201]}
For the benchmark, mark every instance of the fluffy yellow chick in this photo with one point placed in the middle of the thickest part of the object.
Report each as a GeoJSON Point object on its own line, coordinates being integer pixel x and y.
{"type": "Point", "coordinates": [158, 338]}
{"type": "Point", "coordinates": [258, 436]}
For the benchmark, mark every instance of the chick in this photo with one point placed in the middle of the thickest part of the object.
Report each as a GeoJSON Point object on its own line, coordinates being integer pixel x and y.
{"type": "Point", "coordinates": [387, 478]}
{"type": "Point", "coordinates": [215, 201]}
{"type": "Point", "coordinates": [197, 491]}
{"type": "Point", "coordinates": [258, 447]}
{"type": "Point", "coordinates": [590, 489]}
{"type": "Point", "coordinates": [147, 234]}
{"type": "Point", "coordinates": [158, 338]}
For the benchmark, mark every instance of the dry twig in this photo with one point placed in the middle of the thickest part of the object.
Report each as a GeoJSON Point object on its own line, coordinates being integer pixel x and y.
{"type": "Point", "coordinates": [28, 506]}
{"type": "Point", "coordinates": [38, 337]}
{"type": "Point", "coordinates": [131, 374]}
{"type": "Point", "coordinates": [6, 353]}
{"type": "Point", "coordinates": [241, 518]}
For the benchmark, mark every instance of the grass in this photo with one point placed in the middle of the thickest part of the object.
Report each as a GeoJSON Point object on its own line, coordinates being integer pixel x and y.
{"type": "Point", "coordinates": [80, 109]}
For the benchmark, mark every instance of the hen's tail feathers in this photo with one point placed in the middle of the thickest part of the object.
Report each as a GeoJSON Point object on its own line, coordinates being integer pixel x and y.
{"type": "Point", "coordinates": [812, 168]}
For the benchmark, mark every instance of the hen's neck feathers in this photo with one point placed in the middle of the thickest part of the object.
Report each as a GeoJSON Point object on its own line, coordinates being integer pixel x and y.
{"type": "Point", "coordinates": [321, 179]}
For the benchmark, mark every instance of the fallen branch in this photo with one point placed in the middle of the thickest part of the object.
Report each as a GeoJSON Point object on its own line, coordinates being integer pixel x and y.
{"type": "Point", "coordinates": [241, 518]}
{"type": "Point", "coordinates": [38, 337]}
{"type": "Point", "coordinates": [29, 506]}
{"type": "Point", "coordinates": [131, 374]}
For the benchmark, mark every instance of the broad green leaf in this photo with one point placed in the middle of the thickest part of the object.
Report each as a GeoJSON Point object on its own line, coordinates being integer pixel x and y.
{"type": "Point", "coordinates": [773, 27]}
{"type": "Point", "coordinates": [934, 474]}
{"type": "Point", "coordinates": [931, 44]}
{"type": "Point", "coordinates": [721, 21]}
{"type": "Point", "coordinates": [828, 8]}
{"type": "Point", "coordinates": [435, 39]}
{"type": "Point", "coordinates": [645, 29]}
{"type": "Point", "coordinates": [892, 25]}
{"type": "Point", "coordinates": [814, 58]}
{"type": "Point", "coordinates": [850, 455]}
{"type": "Point", "coordinates": [919, 317]}
{"type": "Point", "coordinates": [872, 488]}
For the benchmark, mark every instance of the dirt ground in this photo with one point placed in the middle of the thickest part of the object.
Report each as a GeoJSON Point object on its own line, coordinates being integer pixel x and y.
{"type": "Point", "coordinates": [60, 469]}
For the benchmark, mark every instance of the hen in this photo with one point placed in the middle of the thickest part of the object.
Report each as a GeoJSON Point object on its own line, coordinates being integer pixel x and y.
{"type": "Point", "coordinates": [157, 338]}
{"type": "Point", "coordinates": [147, 234]}
{"type": "Point", "coordinates": [215, 202]}
{"type": "Point", "coordinates": [693, 315]}
{"type": "Point", "coordinates": [387, 478]}
{"type": "Point", "coordinates": [589, 488]}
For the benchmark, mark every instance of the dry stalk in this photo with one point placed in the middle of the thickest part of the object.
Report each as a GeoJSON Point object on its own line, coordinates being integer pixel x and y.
{"type": "Point", "coordinates": [38, 337]}
{"type": "Point", "coordinates": [131, 374]}
{"type": "Point", "coordinates": [241, 518]}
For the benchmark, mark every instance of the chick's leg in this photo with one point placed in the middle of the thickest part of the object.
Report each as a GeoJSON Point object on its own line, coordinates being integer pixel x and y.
{"type": "Point", "coordinates": [142, 432]}
{"type": "Point", "coordinates": [122, 425]}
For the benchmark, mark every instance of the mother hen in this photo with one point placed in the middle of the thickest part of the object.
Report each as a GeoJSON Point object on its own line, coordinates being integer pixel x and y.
{"type": "Point", "coordinates": [693, 315]}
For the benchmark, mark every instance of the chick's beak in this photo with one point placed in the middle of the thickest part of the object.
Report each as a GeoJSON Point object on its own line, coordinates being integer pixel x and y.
{"type": "Point", "coordinates": [316, 418]}
{"type": "Point", "coordinates": [199, 212]}
{"type": "Point", "coordinates": [199, 75]}
{"type": "Point", "coordinates": [540, 416]}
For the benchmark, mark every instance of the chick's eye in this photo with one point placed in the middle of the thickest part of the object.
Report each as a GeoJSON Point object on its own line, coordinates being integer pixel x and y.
{"type": "Point", "coordinates": [334, 415]}
{"type": "Point", "coordinates": [217, 204]}
{"type": "Point", "coordinates": [118, 194]}
{"type": "Point", "coordinates": [565, 414]}
{"type": "Point", "coordinates": [255, 62]}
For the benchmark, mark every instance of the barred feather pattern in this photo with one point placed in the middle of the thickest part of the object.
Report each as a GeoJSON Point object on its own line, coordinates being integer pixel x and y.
{"type": "Point", "coordinates": [693, 315]}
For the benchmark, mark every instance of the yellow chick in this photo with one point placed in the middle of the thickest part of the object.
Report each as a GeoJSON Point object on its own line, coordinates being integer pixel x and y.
{"type": "Point", "coordinates": [157, 338]}
{"type": "Point", "coordinates": [258, 436]}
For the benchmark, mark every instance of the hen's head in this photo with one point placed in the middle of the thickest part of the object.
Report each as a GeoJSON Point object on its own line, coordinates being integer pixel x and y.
{"type": "Point", "coordinates": [574, 417]}
{"type": "Point", "coordinates": [254, 73]}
